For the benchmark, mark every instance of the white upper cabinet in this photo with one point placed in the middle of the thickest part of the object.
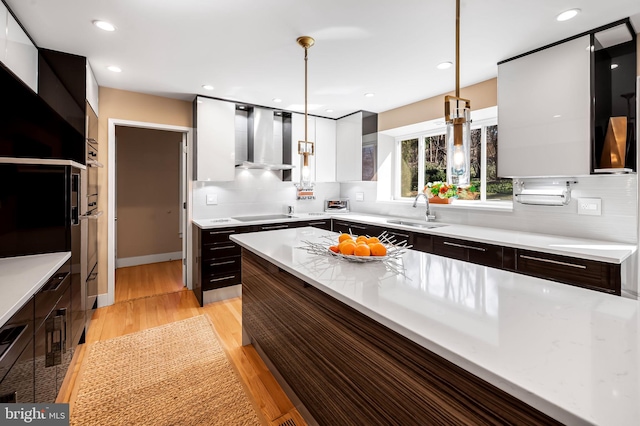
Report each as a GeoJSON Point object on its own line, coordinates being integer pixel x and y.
{"type": "Point", "coordinates": [92, 89]}
{"type": "Point", "coordinates": [17, 52]}
{"type": "Point", "coordinates": [215, 140]}
{"type": "Point", "coordinates": [349, 148]}
{"type": "Point", "coordinates": [325, 150]}
{"type": "Point", "coordinates": [544, 112]}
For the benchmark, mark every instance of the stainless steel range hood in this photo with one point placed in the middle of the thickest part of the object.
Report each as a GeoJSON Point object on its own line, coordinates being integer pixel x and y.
{"type": "Point", "coordinates": [263, 145]}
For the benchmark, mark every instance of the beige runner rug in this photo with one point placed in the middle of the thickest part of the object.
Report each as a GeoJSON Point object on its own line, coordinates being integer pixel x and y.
{"type": "Point", "coordinates": [175, 374]}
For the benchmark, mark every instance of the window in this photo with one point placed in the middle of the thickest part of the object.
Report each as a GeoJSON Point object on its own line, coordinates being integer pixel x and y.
{"type": "Point", "coordinates": [423, 159]}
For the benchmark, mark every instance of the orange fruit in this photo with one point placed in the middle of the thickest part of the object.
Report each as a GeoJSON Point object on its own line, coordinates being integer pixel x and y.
{"type": "Point", "coordinates": [361, 238]}
{"type": "Point", "coordinates": [372, 240]}
{"type": "Point", "coordinates": [343, 237]}
{"type": "Point", "coordinates": [378, 249]}
{"type": "Point", "coordinates": [348, 249]}
{"type": "Point", "coordinates": [334, 249]}
{"type": "Point", "coordinates": [362, 250]}
{"type": "Point", "coordinates": [361, 243]}
{"type": "Point", "coordinates": [346, 242]}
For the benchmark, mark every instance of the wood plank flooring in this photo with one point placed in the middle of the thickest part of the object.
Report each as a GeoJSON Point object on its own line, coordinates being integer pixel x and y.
{"type": "Point", "coordinates": [148, 280]}
{"type": "Point", "coordinates": [150, 309]}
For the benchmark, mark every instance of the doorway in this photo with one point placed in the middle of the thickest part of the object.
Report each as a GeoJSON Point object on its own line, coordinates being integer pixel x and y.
{"type": "Point", "coordinates": [138, 215]}
{"type": "Point", "coordinates": [149, 186]}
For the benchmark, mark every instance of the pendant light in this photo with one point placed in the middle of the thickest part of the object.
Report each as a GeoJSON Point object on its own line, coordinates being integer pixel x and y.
{"type": "Point", "coordinates": [457, 113]}
{"type": "Point", "coordinates": [305, 147]}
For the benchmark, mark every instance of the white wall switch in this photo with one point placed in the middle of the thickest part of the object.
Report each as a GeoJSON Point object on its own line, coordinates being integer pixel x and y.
{"type": "Point", "coordinates": [590, 206]}
{"type": "Point", "coordinates": [359, 196]}
{"type": "Point", "coordinates": [212, 199]}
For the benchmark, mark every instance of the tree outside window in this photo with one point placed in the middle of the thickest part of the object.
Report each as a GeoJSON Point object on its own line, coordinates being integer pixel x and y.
{"type": "Point", "coordinates": [423, 159]}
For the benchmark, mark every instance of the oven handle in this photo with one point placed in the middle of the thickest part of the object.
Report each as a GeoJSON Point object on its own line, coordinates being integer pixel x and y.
{"type": "Point", "coordinates": [91, 216]}
{"type": "Point", "coordinates": [94, 163]}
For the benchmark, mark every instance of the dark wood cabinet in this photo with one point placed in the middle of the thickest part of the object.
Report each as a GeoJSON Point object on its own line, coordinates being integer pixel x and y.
{"type": "Point", "coordinates": [29, 127]}
{"type": "Point", "coordinates": [594, 275]}
{"type": "Point", "coordinates": [16, 356]}
{"type": "Point", "coordinates": [317, 223]}
{"type": "Point", "coordinates": [217, 259]}
{"type": "Point", "coordinates": [590, 274]}
{"type": "Point", "coordinates": [348, 369]}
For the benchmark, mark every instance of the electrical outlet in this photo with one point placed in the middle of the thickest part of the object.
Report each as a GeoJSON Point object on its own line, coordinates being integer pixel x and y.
{"type": "Point", "coordinates": [212, 199]}
{"type": "Point", "coordinates": [359, 196]}
{"type": "Point", "coordinates": [590, 206]}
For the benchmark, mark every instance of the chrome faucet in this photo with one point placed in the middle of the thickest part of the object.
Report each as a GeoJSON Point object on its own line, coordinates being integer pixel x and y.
{"type": "Point", "coordinates": [427, 215]}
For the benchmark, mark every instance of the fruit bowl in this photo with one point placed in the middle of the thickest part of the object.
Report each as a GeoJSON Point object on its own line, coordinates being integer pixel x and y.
{"type": "Point", "coordinates": [391, 249]}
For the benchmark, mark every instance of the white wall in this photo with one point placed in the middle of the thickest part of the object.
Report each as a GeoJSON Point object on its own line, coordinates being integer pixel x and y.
{"type": "Point", "coordinates": [256, 192]}
{"type": "Point", "coordinates": [618, 221]}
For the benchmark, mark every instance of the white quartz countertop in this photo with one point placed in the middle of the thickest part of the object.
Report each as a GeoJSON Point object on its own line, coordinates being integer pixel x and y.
{"type": "Point", "coordinates": [225, 222]}
{"type": "Point", "coordinates": [569, 352]}
{"type": "Point", "coordinates": [21, 277]}
{"type": "Point", "coordinates": [604, 251]}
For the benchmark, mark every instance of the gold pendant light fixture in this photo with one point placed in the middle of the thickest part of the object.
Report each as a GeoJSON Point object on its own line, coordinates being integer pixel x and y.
{"type": "Point", "coordinates": [457, 113]}
{"type": "Point", "coordinates": [305, 147]}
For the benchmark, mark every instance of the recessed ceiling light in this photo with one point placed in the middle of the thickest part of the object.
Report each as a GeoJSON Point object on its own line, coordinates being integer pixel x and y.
{"type": "Point", "coordinates": [614, 66]}
{"type": "Point", "coordinates": [567, 14]}
{"type": "Point", "coordinates": [328, 110]}
{"type": "Point", "coordinates": [114, 68]}
{"type": "Point", "coordinates": [369, 95]}
{"type": "Point", "coordinates": [557, 116]}
{"type": "Point", "coordinates": [444, 65]}
{"type": "Point", "coordinates": [104, 25]}
{"type": "Point", "coordinates": [276, 100]}
{"type": "Point", "coordinates": [241, 107]}
{"type": "Point", "coordinates": [207, 87]}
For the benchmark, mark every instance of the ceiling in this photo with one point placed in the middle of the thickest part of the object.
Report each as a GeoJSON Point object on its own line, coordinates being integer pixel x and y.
{"type": "Point", "coordinates": [247, 49]}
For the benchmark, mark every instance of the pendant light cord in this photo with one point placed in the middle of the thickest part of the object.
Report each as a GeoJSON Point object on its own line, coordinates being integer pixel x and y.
{"type": "Point", "coordinates": [457, 48]}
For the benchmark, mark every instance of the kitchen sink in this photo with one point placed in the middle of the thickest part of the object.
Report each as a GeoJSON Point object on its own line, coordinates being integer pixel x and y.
{"type": "Point", "coordinates": [425, 225]}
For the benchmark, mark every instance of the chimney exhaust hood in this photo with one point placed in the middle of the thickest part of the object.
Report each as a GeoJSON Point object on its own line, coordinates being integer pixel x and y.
{"type": "Point", "coordinates": [265, 142]}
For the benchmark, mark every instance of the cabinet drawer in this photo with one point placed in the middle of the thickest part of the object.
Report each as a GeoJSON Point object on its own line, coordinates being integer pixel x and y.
{"type": "Point", "coordinates": [446, 247]}
{"type": "Point", "coordinates": [423, 242]}
{"type": "Point", "coordinates": [211, 282]}
{"type": "Point", "coordinates": [221, 265]}
{"type": "Point", "coordinates": [469, 251]}
{"type": "Point", "coordinates": [349, 227]}
{"type": "Point", "coordinates": [210, 236]}
{"type": "Point", "coordinates": [269, 227]}
{"type": "Point", "coordinates": [570, 270]}
{"type": "Point", "coordinates": [399, 236]}
{"type": "Point", "coordinates": [51, 292]}
{"type": "Point", "coordinates": [217, 250]}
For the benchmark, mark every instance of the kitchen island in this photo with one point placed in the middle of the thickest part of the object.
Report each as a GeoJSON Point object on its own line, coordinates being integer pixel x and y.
{"type": "Point", "coordinates": [570, 353]}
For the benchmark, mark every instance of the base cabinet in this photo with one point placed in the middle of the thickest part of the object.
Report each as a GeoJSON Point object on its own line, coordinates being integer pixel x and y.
{"type": "Point", "coordinates": [348, 369]}
{"type": "Point", "coordinates": [605, 277]}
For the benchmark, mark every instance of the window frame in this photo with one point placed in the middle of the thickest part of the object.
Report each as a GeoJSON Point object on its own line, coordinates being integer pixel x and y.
{"type": "Point", "coordinates": [421, 136]}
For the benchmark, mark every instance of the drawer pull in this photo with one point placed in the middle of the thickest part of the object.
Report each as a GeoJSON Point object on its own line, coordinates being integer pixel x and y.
{"type": "Point", "coordinates": [274, 227]}
{"type": "Point", "coordinates": [231, 231]}
{"type": "Point", "coordinates": [447, 243]}
{"type": "Point", "coordinates": [351, 225]}
{"type": "Point", "coordinates": [212, 280]}
{"type": "Point", "coordinates": [317, 223]}
{"type": "Point", "coordinates": [228, 262]}
{"type": "Point", "coordinates": [221, 248]}
{"type": "Point", "coordinates": [555, 262]}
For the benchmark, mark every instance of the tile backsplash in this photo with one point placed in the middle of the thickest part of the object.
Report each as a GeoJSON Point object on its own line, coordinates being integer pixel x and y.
{"type": "Point", "coordinates": [256, 192]}
{"type": "Point", "coordinates": [618, 221]}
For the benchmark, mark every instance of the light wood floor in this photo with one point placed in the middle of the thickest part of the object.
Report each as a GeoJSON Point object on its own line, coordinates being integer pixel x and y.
{"type": "Point", "coordinates": [145, 312]}
{"type": "Point", "coordinates": [148, 280]}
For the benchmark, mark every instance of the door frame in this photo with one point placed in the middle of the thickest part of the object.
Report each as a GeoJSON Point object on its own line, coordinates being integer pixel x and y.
{"type": "Point", "coordinates": [111, 201]}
